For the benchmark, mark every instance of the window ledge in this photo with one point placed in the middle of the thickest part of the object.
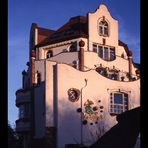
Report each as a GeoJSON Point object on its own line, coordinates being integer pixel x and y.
{"type": "Point", "coordinates": [104, 35]}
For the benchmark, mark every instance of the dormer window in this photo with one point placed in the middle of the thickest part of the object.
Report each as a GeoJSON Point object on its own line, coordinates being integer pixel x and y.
{"type": "Point", "coordinates": [49, 54]}
{"type": "Point", "coordinates": [103, 28]}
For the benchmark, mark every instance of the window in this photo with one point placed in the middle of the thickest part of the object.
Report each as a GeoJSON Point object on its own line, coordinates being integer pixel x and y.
{"type": "Point", "coordinates": [94, 47]}
{"type": "Point", "coordinates": [73, 47]}
{"type": "Point", "coordinates": [24, 110]}
{"type": "Point", "coordinates": [49, 54]}
{"type": "Point", "coordinates": [103, 28]}
{"type": "Point", "coordinates": [112, 54]}
{"type": "Point", "coordinates": [122, 55]}
{"type": "Point", "coordinates": [105, 52]}
{"type": "Point", "coordinates": [118, 102]}
{"type": "Point", "coordinates": [100, 51]}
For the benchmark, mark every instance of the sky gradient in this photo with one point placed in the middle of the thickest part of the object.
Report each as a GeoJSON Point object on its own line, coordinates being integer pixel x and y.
{"type": "Point", "coordinates": [53, 14]}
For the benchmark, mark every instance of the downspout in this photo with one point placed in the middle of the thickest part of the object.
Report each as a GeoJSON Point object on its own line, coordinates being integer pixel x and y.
{"type": "Point", "coordinates": [81, 55]}
{"type": "Point", "coordinates": [130, 64]}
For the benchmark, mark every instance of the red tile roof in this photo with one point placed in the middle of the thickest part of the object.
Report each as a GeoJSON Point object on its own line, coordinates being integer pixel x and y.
{"type": "Point", "coordinates": [74, 28]}
{"type": "Point", "coordinates": [124, 45]}
{"type": "Point", "coordinates": [44, 33]}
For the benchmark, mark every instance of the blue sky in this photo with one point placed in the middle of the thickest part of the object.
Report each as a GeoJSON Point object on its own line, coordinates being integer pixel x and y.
{"type": "Point", "coordinates": [52, 14]}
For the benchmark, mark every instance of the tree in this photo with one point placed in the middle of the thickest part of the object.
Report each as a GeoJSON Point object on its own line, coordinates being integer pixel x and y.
{"type": "Point", "coordinates": [11, 137]}
{"type": "Point", "coordinates": [14, 140]}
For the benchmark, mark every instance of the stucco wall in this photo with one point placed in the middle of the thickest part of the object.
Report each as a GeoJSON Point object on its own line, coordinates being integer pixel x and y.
{"type": "Point", "coordinates": [39, 110]}
{"type": "Point", "coordinates": [93, 19]}
{"type": "Point", "coordinates": [49, 93]}
{"type": "Point", "coordinates": [92, 58]}
{"type": "Point", "coordinates": [59, 78]}
{"type": "Point", "coordinates": [98, 87]}
{"type": "Point", "coordinates": [58, 47]}
{"type": "Point", "coordinates": [67, 57]}
{"type": "Point", "coordinates": [40, 67]}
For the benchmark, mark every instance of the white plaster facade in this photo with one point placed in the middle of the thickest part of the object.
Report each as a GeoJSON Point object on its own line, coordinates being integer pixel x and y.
{"type": "Point", "coordinates": [51, 104]}
{"type": "Point", "coordinates": [68, 120]}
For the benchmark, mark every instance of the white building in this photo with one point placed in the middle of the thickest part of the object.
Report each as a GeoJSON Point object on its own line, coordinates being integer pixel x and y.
{"type": "Point", "coordinates": [79, 78]}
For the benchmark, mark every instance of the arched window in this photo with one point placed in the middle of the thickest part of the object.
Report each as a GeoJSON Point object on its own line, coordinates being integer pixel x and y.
{"type": "Point", "coordinates": [49, 54]}
{"type": "Point", "coordinates": [103, 28]}
{"type": "Point", "coordinates": [118, 102]}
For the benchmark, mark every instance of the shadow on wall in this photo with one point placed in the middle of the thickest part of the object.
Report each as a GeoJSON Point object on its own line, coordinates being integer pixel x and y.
{"type": "Point", "coordinates": [66, 117]}
{"type": "Point", "coordinates": [69, 117]}
{"type": "Point", "coordinates": [50, 129]}
{"type": "Point", "coordinates": [124, 134]}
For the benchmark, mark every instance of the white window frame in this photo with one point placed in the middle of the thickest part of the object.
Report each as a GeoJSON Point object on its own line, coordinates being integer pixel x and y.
{"type": "Point", "coordinates": [102, 25]}
{"type": "Point", "coordinates": [115, 108]}
{"type": "Point", "coordinates": [96, 49]}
